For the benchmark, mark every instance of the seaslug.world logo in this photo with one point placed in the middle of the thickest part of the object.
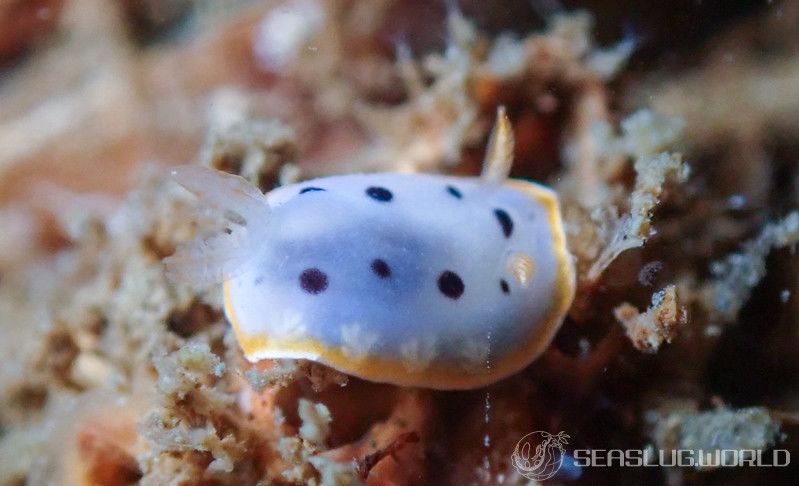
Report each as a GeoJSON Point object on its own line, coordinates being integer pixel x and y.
{"type": "Point", "coordinates": [539, 455]}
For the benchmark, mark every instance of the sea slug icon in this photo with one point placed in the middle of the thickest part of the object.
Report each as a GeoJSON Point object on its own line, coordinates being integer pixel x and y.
{"type": "Point", "coordinates": [539, 455]}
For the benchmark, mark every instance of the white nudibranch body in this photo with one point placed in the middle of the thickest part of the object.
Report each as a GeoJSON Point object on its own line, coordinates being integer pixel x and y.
{"type": "Point", "coordinates": [411, 279]}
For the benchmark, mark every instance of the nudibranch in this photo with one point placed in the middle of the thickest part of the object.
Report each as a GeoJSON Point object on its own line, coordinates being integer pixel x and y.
{"type": "Point", "coordinates": [411, 279]}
